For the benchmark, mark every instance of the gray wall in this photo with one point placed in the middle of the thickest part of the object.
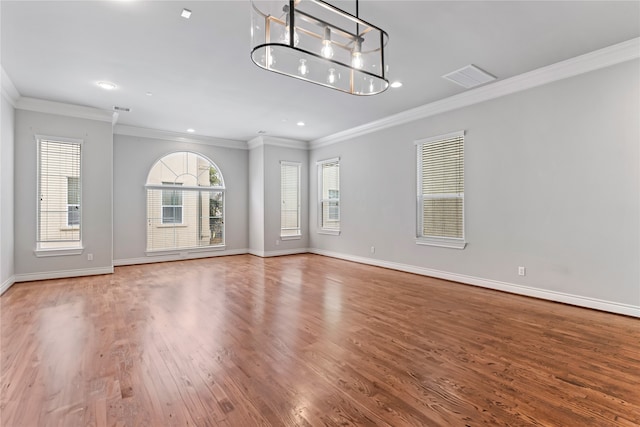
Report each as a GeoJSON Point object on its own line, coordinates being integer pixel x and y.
{"type": "Point", "coordinates": [256, 200]}
{"type": "Point", "coordinates": [264, 188]}
{"type": "Point", "coordinates": [272, 157]}
{"type": "Point", "coordinates": [97, 179]}
{"type": "Point", "coordinates": [134, 157]}
{"type": "Point", "coordinates": [7, 113]}
{"type": "Point", "coordinates": [552, 184]}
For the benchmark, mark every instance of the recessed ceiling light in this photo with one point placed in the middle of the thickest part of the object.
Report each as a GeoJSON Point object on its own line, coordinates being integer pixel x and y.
{"type": "Point", "coordinates": [186, 13]}
{"type": "Point", "coordinates": [191, 130]}
{"type": "Point", "coordinates": [107, 85]}
{"type": "Point", "coordinates": [300, 123]}
{"type": "Point", "coordinates": [149, 94]}
{"type": "Point", "coordinates": [396, 84]}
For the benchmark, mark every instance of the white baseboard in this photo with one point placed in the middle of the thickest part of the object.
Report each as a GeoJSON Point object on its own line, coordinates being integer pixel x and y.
{"type": "Point", "coordinates": [581, 301]}
{"type": "Point", "coordinates": [268, 254]}
{"type": "Point", "coordinates": [176, 257]}
{"type": "Point", "coordinates": [7, 284]}
{"type": "Point", "coordinates": [28, 277]}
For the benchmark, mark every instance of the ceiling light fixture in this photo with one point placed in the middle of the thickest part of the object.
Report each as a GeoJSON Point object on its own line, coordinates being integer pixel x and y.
{"type": "Point", "coordinates": [191, 130]}
{"type": "Point", "coordinates": [396, 84]}
{"type": "Point", "coordinates": [319, 43]}
{"type": "Point", "coordinates": [107, 85]}
{"type": "Point", "coordinates": [300, 123]}
{"type": "Point", "coordinates": [186, 13]}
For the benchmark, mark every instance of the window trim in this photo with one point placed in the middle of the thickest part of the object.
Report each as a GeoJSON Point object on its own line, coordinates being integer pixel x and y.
{"type": "Point", "coordinates": [172, 186]}
{"type": "Point", "coordinates": [78, 248]}
{"type": "Point", "coordinates": [297, 236]}
{"type": "Point", "coordinates": [443, 242]}
{"type": "Point", "coordinates": [219, 187]}
{"type": "Point", "coordinates": [322, 201]}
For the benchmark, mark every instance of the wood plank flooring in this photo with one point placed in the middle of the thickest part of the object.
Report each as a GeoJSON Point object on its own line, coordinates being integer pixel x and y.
{"type": "Point", "coordinates": [306, 340]}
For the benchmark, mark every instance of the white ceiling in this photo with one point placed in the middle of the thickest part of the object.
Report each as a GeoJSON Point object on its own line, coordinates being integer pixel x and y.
{"type": "Point", "coordinates": [201, 75]}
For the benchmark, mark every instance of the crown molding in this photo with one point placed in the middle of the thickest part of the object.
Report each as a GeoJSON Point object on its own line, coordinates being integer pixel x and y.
{"type": "Point", "coordinates": [608, 56]}
{"type": "Point", "coordinates": [9, 91]}
{"type": "Point", "coordinates": [62, 109]}
{"type": "Point", "coordinates": [262, 140]}
{"type": "Point", "coordinates": [178, 137]}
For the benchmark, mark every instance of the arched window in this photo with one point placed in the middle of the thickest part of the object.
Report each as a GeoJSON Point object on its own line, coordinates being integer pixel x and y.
{"type": "Point", "coordinates": [185, 203]}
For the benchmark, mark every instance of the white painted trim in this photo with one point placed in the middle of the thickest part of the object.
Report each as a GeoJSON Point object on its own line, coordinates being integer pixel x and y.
{"type": "Point", "coordinates": [7, 284]}
{"type": "Point", "coordinates": [262, 140]}
{"type": "Point", "coordinates": [62, 109]}
{"type": "Point", "coordinates": [439, 138]}
{"type": "Point", "coordinates": [62, 139]}
{"type": "Point", "coordinates": [177, 137]}
{"type": "Point", "coordinates": [296, 237]}
{"type": "Point", "coordinates": [269, 254]}
{"type": "Point", "coordinates": [577, 300]}
{"type": "Point", "coordinates": [28, 277]}
{"type": "Point", "coordinates": [441, 242]}
{"type": "Point", "coordinates": [50, 252]}
{"type": "Point", "coordinates": [608, 56]}
{"type": "Point", "coordinates": [333, 160]}
{"type": "Point", "coordinates": [9, 91]}
{"type": "Point", "coordinates": [328, 232]}
{"type": "Point", "coordinates": [181, 251]}
{"type": "Point", "coordinates": [176, 257]}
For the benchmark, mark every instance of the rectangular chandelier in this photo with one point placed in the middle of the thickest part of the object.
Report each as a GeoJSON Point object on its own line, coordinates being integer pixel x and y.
{"type": "Point", "coordinates": [319, 43]}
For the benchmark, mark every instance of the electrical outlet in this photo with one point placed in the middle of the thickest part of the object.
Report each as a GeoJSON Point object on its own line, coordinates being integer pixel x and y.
{"type": "Point", "coordinates": [373, 249]}
{"type": "Point", "coordinates": [89, 257]}
{"type": "Point", "coordinates": [522, 271]}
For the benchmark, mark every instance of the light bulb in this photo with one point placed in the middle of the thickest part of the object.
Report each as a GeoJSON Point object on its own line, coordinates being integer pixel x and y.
{"type": "Point", "coordinates": [356, 60]}
{"type": "Point", "coordinates": [302, 68]}
{"type": "Point", "coordinates": [356, 56]}
{"type": "Point", "coordinates": [371, 85]}
{"type": "Point", "coordinates": [331, 77]}
{"type": "Point", "coordinates": [327, 49]}
{"type": "Point", "coordinates": [296, 39]}
{"type": "Point", "coordinates": [287, 30]}
{"type": "Point", "coordinates": [268, 59]}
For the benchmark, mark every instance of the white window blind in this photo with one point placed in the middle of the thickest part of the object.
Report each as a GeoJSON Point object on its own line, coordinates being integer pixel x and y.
{"type": "Point", "coordinates": [441, 190]}
{"type": "Point", "coordinates": [59, 189]}
{"type": "Point", "coordinates": [329, 180]}
{"type": "Point", "coordinates": [185, 203]}
{"type": "Point", "coordinates": [290, 199]}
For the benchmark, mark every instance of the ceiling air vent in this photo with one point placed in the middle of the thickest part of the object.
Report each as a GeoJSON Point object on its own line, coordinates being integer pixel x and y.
{"type": "Point", "coordinates": [125, 109]}
{"type": "Point", "coordinates": [469, 76]}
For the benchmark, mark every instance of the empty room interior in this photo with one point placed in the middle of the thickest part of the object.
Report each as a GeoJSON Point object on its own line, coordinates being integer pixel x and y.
{"type": "Point", "coordinates": [310, 213]}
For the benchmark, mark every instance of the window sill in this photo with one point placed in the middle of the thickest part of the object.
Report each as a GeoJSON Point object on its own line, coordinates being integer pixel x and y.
{"type": "Point", "coordinates": [172, 226]}
{"type": "Point", "coordinates": [442, 243]}
{"type": "Point", "coordinates": [40, 253]}
{"type": "Point", "coordinates": [181, 251]}
{"type": "Point", "coordinates": [296, 237]}
{"type": "Point", "coordinates": [329, 232]}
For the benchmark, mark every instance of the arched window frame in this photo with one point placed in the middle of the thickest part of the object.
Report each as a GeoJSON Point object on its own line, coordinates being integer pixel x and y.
{"type": "Point", "coordinates": [168, 236]}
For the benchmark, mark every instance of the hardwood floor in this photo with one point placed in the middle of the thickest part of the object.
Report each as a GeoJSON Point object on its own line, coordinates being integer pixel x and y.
{"type": "Point", "coordinates": [306, 340]}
